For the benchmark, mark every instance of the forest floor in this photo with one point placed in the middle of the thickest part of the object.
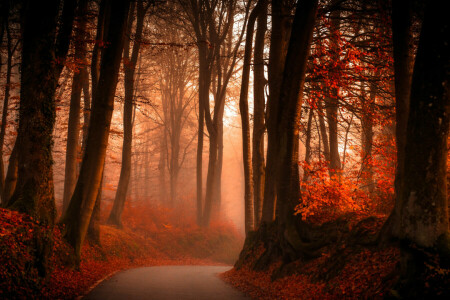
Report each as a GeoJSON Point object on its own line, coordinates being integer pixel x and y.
{"type": "Point", "coordinates": [151, 236]}
{"type": "Point", "coordinates": [341, 272]}
{"type": "Point", "coordinates": [356, 266]}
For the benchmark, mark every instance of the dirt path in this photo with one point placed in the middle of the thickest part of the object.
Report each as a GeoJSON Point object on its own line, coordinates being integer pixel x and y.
{"type": "Point", "coordinates": [167, 283]}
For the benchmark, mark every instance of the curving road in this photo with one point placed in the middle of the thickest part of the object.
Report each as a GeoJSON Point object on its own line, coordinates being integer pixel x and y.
{"type": "Point", "coordinates": [167, 283]}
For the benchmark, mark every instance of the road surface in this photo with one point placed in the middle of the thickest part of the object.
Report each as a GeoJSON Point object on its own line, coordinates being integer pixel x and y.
{"type": "Point", "coordinates": [167, 283]}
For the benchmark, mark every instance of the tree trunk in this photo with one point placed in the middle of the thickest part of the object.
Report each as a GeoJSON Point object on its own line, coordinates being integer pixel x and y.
{"type": "Point", "coordinates": [289, 120]}
{"type": "Point", "coordinates": [130, 66]}
{"type": "Point", "coordinates": [93, 232]}
{"type": "Point", "coordinates": [423, 197]}
{"type": "Point", "coordinates": [245, 120]}
{"type": "Point", "coordinates": [278, 47]}
{"type": "Point", "coordinates": [11, 177]}
{"type": "Point", "coordinates": [5, 103]}
{"type": "Point", "coordinates": [73, 130]}
{"type": "Point", "coordinates": [403, 62]}
{"type": "Point", "coordinates": [323, 132]}
{"type": "Point", "coordinates": [258, 114]}
{"type": "Point", "coordinates": [34, 193]}
{"type": "Point", "coordinates": [332, 101]}
{"type": "Point", "coordinates": [162, 168]}
{"type": "Point", "coordinates": [308, 142]}
{"type": "Point", "coordinates": [78, 214]}
{"type": "Point", "coordinates": [368, 106]}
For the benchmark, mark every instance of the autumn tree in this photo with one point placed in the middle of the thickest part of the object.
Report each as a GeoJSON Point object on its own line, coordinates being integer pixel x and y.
{"type": "Point", "coordinates": [78, 214]}
{"type": "Point", "coordinates": [130, 67]}
{"type": "Point", "coordinates": [73, 131]}
{"type": "Point", "coordinates": [34, 193]}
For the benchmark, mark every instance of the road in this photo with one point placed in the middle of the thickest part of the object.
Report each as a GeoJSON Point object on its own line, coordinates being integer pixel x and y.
{"type": "Point", "coordinates": [167, 283]}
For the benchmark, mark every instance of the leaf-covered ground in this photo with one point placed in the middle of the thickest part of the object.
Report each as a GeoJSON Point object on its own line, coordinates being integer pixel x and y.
{"type": "Point", "coordinates": [343, 271]}
{"type": "Point", "coordinates": [151, 236]}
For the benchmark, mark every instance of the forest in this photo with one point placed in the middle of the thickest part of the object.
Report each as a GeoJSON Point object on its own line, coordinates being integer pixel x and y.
{"type": "Point", "coordinates": [256, 149]}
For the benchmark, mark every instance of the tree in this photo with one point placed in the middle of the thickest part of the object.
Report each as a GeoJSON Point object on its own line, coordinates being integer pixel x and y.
{"type": "Point", "coordinates": [73, 130]}
{"type": "Point", "coordinates": [34, 193]}
{"type": "Point", "coordinates": [422, 199]}
{"type": "Point", "coordinates": [277, 53]}
{"type": "Point", "coordinates": [130, 67]}
{"type": "Point", "coordinates": [290, 101]}
{"type": "Point", "coordinates": [259, 104]}
{"type": "Point", "coordinates": [78, 214]}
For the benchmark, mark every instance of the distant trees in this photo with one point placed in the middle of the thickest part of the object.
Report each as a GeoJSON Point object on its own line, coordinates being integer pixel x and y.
{"type": "Point", "coordinates": [213, 25]}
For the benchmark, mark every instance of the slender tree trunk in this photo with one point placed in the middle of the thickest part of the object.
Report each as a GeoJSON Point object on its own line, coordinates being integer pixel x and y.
{"type": "Point", "coordinates": [199, 167]}
{"type": "Point", "coordinates": [245, 120]}
{"type": "Point", "coordinates": [11, 176]}
{"type": "Point", "coordinates": [258, 114]}
{"type": "Point", "coordinates": [332, 102]}
{"type": "Point", "coordinates": [93, 232]}
{"type": "Point", "coordinates": [73, 130]}
{"type": "Point", "coordinates": [308, 142]}
{"type": "Point", "coordinates": [367, 138]}
{"type": "Point", "coordinates": [78, 214]}
{"type": "Point", "coordinates": [323, 132]}
{"type": "Point", "coordinates": [5, 105]}
{"type": "Point", "coordinates": [162, 168]}
{"type": "Point", "coordinates": [130, 66]}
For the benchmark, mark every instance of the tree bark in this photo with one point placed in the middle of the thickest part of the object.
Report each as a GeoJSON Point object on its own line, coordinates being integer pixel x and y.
{"type": "Point", "coordinates": [11, 176]}
{"type": "Point", "coordinates": [403, 62]}
{"type": "Point", "coordinates": [130, 66]}
{"type": "Point", "coordinates": [10, 52]}
{"type": "Point", "coordinates": [288, 119]}
{"type": "Point", "coordinates": [423, 197]}
{"type": "Point", "coordinates": [332, 101]}
{"type": "Point", "coordinates": [278, 48]}
{"type": "Point", "coordinates": [78, 214]}
{"type": "Point", "coordinates": [73, 130]}
{"type": "Point", "coordinates": [40, 72]}
{"type": "Point", "coordinates": [245, 120]}
{"type": "Point", "coordinates": [258, 114]}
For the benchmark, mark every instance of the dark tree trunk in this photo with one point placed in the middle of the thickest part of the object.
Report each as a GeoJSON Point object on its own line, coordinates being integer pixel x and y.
{"type": "Point", "coordinates": [130, 66]}
{"type": "Point", "coordinates": [11, 176]}
{"type": "Point", "coordinates": [73, 130]}
{"type": "Point", "coordinates": [258, 114]}
{"type": "Point", "coordinates": [278, 48]}
{"type": "Point", "coordinates": [245, 121]}
{"type": "Point", "coordinates": [332, 101]}
{"type": "Point", "coordinates": [34, 193]}
{"type": "Point", "coordinates": [78, 214]}
{"type": "Point", "coordinates": [323, 132]}
{"type": "Point", "coordinates": [10, 52]}
{"type": "Point", "coordinates": [423, 197]}
{"type": "Point", "coordinates": [289, 119]}
{"type": "Point", "coordinates": [162, 168]}
{"type": "Point", "coordinates": [308, 141]}
{"type": "Point", "coordinates": [423, 223]}
{"type": "Point", "coordinates": [403, 62]}
{"type": "Point", "coordinates": [93, 232]}
{"type": "Point", "coordinates": [367, 133]}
